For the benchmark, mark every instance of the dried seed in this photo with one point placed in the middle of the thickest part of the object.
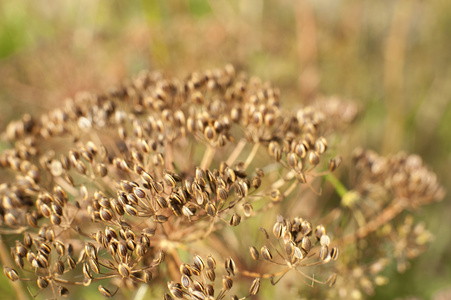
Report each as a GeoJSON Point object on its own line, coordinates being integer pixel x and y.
{"type": "Point", "coordinates": [319, 232]}
{"type": "Point", "coordinates": [63, 291]}
{"type": "Point", "coordinates": [255, 287]}
{"type": "Point", "coordinates": [42, 282]}
{"type": "Point", "coordinates": [130, 210]}
{"type": "Point", "coordinates": [11, 273]}
{"type": "Point", "coordinates": [324, 252]}
{"type": "Point", "coordinates": [222, 193]}
{"type": "Point", "coordinates": [160, 218]}
{"type": "Point", "coordinates": [124, 270]}
{"type": "Point", "coordinates": [211, 262]}
{"type": "Point", "coordinates": [292, 160]}
{"type": "Point", "coordinates": [199, 263]}
{"type": "Point", "coordinates": [275, 195]}
{"type": "Point", "coordinates": [247, 208]}
{"type": "Point", "coordinates": [306, 244]}
{"type": "Point", "coordinates": [105, 292]}
{"type": "Point", "coordinates": [211, 275]}
{"type": "Point", "coordinates": [235, 219]}
{"type": "Point", "coordinates": [59, 267]}
{"type": "Point", "coordinates": [86, 271]}
{"type": "Point", "coordinates": [331, 279]}
{"type": "Point", "coordinates": [227, 283]}
{"type": "Point", "coordinates": [71, 262]}
{"type": "Point", "coordinates": [175, 289]}
{"type": "Point", "coordinates": [105, 214]}
{"type": "Point", "coordinates": [230, 266]}
{"type": "Point", "coordinates": [334, 253]}
{"type": "Point", "coordinates": [266, 254]}
{"type": "Point", "coordinates": [324, 240]}
{"type": "Point", "coordinates": [185, 281]}
{"type": "Point", "coordinates": [313, 158]}
{"type": "Point", "coordinates": [209, 133]}
{"type": "Point", "coordinates": [254, 253]}
{"type": "Point", "coordinates": [159, 259]}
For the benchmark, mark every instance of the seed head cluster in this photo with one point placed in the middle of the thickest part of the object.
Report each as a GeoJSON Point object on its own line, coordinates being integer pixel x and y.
{"type": "Point", "coordinates": [110, 186]}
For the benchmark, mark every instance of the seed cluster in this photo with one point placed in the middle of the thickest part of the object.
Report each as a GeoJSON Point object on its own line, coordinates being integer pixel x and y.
{"type": "Point", "coordinates": [401, 176]}
{"type": "Point", "coordinates": [111, 185]}
{"type": "Point", "coordinates": [300, 245]}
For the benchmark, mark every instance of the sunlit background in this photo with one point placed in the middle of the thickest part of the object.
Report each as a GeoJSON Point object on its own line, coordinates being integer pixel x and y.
{"type": "Point", "coordinates": [393, 57]}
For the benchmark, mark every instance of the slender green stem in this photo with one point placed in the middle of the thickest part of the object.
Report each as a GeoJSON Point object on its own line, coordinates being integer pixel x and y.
{"type": "Point", "coordinates": [339, 187]}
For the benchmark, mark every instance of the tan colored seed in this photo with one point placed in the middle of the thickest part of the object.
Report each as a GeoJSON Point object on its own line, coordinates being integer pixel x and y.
{"type": "Point", "coordinates": [105, 292]}
{"type": "Point", "coordinates": [266, 254]}
{"type": "Point", "coordinates": [255, 287]}
{"type": "Point", "coordinates": [124, 270]}
{"type": "Point", "coordinates": [42, 282]}
{"type": "Point", "coordinates": [254, 253]}
{"type": "Point", "coordinates": [313, 158]}
{"type": "Point", "coordinates": [230, 266]}
{"type": "Point", "coordinates": [235, 219]}
{"type": "Point", "coordinates": [227, 283]}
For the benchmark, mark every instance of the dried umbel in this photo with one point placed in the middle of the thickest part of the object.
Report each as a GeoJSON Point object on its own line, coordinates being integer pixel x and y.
{"type": "Point", "coordinates": [112, 185]}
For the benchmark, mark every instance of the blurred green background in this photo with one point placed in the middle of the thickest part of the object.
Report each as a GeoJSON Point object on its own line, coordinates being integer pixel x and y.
{"type": "Point", "coordinates": [390, 56]}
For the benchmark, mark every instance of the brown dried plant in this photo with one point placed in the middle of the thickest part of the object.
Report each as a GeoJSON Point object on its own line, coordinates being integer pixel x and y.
{"type": "Point", "coordinates": [117, 189]}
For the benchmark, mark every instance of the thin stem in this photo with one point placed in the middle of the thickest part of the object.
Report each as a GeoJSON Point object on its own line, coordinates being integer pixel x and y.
{"type": "Point", "coordinates": [264, 275]}
{"type": "Point", "coordinates": [208, 157]}
{"type": "Point", "coordinates": [339, 187]}
{"type": "Point", "coordinates": [388, 214]}
{"type": "Point", "coordinates": [251, 155]}
{"type": "Point", "coordinates": [236, 152]}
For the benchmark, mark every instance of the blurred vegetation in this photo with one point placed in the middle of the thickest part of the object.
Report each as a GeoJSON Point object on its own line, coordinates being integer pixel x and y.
{"type": "Point", "coordinates": [391, 56]}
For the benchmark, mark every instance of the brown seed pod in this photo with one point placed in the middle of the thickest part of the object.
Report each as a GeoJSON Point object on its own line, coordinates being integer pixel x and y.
{"type": "Point", "coordinates": [211, 274]}
{"type": "Point", "coordinates": [306, 244]}
{"type": "Point", "coordinates": [71, 263]}
{"type": "Point", "coordinates": [313, 158]}
{"type": "Point", "coordinates": [11, 273]}
{"type": "Point", "coordinates": [324, 252]}
{"type": "Point", "coordinates": [277, 230]}
{"type": "Point", "coordinates": [59, 267]}
{"type": "Point", "coordinates": [319, 232]}
{"type": "Point", "coordinates": [211, 262]}
{"type": "Point", "coordinates": [175, 289]}
{"type": "Point", "coordinates": [106, 214]}
{"type": "Point", "coordinates": [292, 160]}
{"type": "Point", "coordinates": [27, 240]}
{"type": "Point", "coordinates": [334, 253]}
{"type": "Point", "coordinates": [255, 287]}
{"type": "Point", "coordinates": [199, 262]}
{"type": "Point", "coordinates": [334, 163]}
{"type": "Point", "coordinates": [331, 279]}
{"type": "Point", "coordinates": [266, 254]}
{"type": "Point", "coordinates": [32, 220]}
{"type": "Point", "coordinates": [130, 210]}
{"type": "Point", "coordinates": [63, 291]}
{"type": "Point", "coordinates": [210, 133]}
{"type": "Point", "coordinates": [160, 218]}
{"type": "Point", "coordinates": [222, 193]}
{"type": "Point", "coordinates": [247, 209]}
{"type": "Point", "coordinates": [124, 270]}
{"type": "Point", "coordinates": [42, 282]}
{"type": "Point", "coordinates": [230, 266]}
{"type": "Point", "coordinates": [227, 283]}
{"type": "Point", "coordinates": [254, 253]}
{"type": "Point", "coordinates": [275, 195]}
{"type": "Point", "coordinates": [159, 258]}
{"type": "Point", "coordinates": [105, 292]}
{"type": "Point", "coordinates": [87, 271]}
{"type": "Point", "coordinates": [235, 219]}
